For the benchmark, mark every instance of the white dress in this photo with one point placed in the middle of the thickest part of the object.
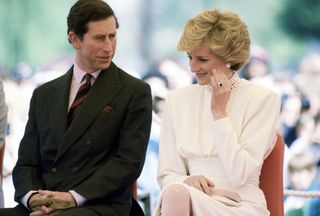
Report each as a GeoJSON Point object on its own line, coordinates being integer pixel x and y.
{"type": "Point", "coordinates": [229, 151]}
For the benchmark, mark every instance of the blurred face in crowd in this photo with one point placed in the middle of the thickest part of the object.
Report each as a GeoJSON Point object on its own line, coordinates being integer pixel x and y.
{"type": "Point", "coordinates": [96, 49]}
{"type": "Point", "coordinates": [202, 62]}
{"type": "Point", "coordinates": [301, 179]}
{"type": "Point", "coordinates": [257, 68]}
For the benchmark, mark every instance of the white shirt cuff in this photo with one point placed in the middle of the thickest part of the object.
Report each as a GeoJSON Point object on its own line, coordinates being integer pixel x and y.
{"type": "Point", "coordinates": [26, 197]}
{"type": "Point", "coordinates": [80, 200]}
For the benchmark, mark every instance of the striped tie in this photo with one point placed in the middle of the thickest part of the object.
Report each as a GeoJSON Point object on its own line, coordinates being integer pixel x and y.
{"type": "Point", "coordinates": [80, 97]}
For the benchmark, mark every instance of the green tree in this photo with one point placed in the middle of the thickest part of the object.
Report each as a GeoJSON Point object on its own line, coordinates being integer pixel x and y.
{"type": "Point", "coordinates": [301, 18]}
{"type": "Point", "coordinates": [32, 31]}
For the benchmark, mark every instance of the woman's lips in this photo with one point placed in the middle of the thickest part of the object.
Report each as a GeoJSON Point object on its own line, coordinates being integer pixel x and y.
{"type": "Point", "coordinates": [200, 75]}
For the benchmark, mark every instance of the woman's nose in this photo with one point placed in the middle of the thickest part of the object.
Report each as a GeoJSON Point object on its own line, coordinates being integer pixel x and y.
{"type": "Point", "coordinates": [194, 66]}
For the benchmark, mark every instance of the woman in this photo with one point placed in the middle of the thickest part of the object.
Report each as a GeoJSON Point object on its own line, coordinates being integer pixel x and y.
{"type": "Point", "coordinates": [3, 127]}
{"type": "Point", "coordinates": [216, 134]}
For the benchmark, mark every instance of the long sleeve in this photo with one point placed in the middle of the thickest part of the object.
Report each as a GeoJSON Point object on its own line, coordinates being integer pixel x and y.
{"type": "Point", "coordinates": [26, 173]}
{"type": "Point", "coordinates": [172, 167]}
{"type": "Point", "coordinates": [242, 154]}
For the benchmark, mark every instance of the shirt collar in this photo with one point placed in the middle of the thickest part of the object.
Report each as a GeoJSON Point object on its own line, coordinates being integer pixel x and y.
{"type": "Point", "coordinates": [78, 73]}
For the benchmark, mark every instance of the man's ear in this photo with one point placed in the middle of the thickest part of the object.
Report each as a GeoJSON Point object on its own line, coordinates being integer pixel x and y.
{"type": "Point", "coordinates": [74, 40]}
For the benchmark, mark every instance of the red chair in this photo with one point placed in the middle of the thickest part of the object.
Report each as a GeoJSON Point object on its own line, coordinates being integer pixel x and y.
{"type": "Point", "coordinates": [271, 178]}
{"type": "Point", "coordinates": [134, 190]}
{"type": "Point", "coordinates": [136, 209]}
{"type": "Point", "coordinates": [1, 161]}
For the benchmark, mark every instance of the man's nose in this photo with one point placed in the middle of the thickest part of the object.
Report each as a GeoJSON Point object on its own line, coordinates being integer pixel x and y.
{"type": "Point", "coordinates": [107, 45]}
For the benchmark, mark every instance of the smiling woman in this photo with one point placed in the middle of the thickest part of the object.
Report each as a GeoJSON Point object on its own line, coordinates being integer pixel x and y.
{"type": "Point", "coordinates": [213, 143]}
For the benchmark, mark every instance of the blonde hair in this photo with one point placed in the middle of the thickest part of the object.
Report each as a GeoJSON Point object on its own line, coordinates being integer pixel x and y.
{"type": "Point", "coordinates": [225, 34]}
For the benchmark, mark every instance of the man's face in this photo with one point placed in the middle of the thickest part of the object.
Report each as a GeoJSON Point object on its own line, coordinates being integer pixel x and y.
{"type": "Point", "coordinates": [96, 49]}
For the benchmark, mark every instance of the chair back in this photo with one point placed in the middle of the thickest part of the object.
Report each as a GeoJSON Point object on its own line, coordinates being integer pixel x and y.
{"type": "Point", "coordinates": [136, 209]}
{"type": "Point", "coordinates": [1, 162]}
{"type": "Point", "coordinates": [134, 190]}
{"type": "Point", "coordinates": [271, 178]}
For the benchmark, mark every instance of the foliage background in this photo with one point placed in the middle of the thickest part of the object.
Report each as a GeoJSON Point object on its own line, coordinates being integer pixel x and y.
{"type": "Point", "coordinates": [34, 31]}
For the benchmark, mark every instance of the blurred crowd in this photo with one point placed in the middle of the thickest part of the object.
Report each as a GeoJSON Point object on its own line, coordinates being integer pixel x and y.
{"type": "Point", "coordinates": [300, 124]}
{"type": "Point", "coordinates": [298, 88]}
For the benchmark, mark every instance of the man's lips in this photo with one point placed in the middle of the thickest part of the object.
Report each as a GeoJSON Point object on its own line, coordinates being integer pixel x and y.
{"type": "Point", "coordinates": [104, 58]}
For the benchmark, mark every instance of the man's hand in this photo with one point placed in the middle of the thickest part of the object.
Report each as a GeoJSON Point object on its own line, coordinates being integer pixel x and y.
{"type": "Point", "coordinates": [44, 211]}
{"type": "Point", "coordinates": [60, 200]}
{"type": "Point", "coordinates": [201, 183]}
{"type": "Point", "coordinates": [38, 203]}
{"type": "Point", "coordinates": [49, 203]}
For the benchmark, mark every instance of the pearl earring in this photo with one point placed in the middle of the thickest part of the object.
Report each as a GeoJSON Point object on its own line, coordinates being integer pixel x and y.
{"type": "Point", "coordinates": [228, 65]}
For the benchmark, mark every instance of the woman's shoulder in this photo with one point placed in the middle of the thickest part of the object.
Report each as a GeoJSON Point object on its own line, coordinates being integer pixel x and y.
{"type": "Point", "coordinates": [251, 88]}
{"type": "Point", "coordinates": [257, 94]}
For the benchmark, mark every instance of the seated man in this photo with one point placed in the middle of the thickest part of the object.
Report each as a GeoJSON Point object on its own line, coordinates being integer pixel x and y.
{"type": "Point", "coordinates": [87, 132]}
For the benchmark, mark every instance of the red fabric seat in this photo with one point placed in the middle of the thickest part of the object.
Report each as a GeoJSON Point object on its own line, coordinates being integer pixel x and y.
{"type": "Point", "coordinates": [1, 161]}
{"type": "Point", "coordinates": [271, 178]}
{"type": "Point", "coordinates": [134, 190]}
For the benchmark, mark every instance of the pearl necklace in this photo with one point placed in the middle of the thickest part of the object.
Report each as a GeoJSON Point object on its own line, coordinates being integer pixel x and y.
{"type": "Point", "coordinates": [234, 81]}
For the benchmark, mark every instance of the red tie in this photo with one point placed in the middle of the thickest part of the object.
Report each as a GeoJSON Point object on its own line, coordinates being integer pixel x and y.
{"type": "Point", "coordinates": [80, 97]}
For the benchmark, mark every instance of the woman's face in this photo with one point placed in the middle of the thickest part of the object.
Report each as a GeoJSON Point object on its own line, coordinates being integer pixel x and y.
{"type": "Point", "coordinates": [202, 62]}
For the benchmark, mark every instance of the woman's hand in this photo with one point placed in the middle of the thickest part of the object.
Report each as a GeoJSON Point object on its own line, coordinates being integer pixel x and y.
{"type": "Point", "coordinates": [201, 183]}
{"type": "Point", "coordinates": [221, 90]}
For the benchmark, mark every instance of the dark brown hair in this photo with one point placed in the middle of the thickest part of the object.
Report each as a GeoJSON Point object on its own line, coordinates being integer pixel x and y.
{"type": "Point", "coordinates": [85, 11]}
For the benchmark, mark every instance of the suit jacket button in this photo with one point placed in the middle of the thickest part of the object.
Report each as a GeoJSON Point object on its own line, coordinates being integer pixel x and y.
{"type": "Point", "coordinates": [54, 170]}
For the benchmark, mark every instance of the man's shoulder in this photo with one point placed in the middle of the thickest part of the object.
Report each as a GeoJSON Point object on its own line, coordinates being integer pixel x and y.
{"type": "Point", "coordinates": [129, 78]}
{"type": "Point", "coordinates": [54, 83]}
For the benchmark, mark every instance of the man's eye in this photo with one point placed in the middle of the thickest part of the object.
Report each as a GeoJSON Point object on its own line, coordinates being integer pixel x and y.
{"type": "Point", "coordinates": [99, 38]}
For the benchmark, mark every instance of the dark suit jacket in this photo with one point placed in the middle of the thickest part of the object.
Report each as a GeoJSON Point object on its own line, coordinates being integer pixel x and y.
{"type": "Point", "coordinates": [100, 154]}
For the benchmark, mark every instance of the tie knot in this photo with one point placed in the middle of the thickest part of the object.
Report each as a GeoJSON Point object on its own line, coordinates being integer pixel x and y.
{"type": "Point", "coordinates": [87, 77]}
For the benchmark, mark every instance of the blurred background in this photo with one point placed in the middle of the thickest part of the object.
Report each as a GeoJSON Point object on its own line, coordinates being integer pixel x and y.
{"type": "Point", "coordinates": [285, 56]}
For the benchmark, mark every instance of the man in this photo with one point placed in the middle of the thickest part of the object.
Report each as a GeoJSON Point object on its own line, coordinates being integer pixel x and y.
{"type": "Point", "coordinates": [81, 160]}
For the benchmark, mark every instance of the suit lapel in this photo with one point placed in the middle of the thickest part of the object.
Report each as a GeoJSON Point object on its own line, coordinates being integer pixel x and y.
{"type": "Point", "coordinates": [106, 87]}
{"type": "Point", "coordinates": [58, 103]}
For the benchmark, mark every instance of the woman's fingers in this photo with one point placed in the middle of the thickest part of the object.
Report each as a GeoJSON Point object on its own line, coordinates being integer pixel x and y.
{"type": "Point", "coordinates": [201, 183]}
{"type": "Point", "coordinates": [205, 186]}
{"type": "Point", "coordinates": [210, 183]}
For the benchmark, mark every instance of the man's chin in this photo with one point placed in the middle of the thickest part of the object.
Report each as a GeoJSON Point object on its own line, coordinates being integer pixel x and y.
{"type": "Point", "coordinates": [104, 66]}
